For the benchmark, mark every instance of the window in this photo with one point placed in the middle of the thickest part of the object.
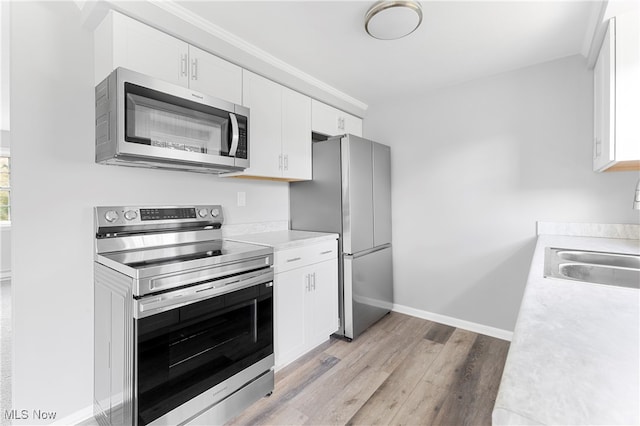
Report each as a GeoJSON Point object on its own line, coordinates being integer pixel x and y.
{"type": "Point", "coordinates": [5, 190]}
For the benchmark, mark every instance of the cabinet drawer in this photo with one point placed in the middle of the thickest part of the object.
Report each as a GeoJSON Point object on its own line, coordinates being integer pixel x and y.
{"type": "Point", "coordinates": [285, 260]}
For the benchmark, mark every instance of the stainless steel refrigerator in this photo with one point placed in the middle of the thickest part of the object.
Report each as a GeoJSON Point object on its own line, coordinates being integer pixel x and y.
{"type": "Point", "coordinates": [350, 194]}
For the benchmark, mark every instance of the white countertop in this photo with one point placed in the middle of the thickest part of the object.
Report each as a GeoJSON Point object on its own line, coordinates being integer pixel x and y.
{"type": "Point", "coordinates": [575, 354]}
{"type": "Point", "coordinates": [282, 240]}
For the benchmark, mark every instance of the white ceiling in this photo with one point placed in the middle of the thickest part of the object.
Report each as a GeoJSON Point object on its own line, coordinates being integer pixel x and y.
{"type": "Point", "coordinates": [458, 40]}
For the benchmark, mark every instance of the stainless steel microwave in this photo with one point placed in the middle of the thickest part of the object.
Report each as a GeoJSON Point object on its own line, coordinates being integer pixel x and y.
{"type": "Point", "coordinates": [142, 121]}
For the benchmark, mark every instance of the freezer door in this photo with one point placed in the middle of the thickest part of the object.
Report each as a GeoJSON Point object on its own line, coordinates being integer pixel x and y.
{"type": "Point", "coordinates": [357, 194]}
{"type": "Point", "coordinates": [381, 194]}
{"type": "Point", "coordinates": [368, 289]}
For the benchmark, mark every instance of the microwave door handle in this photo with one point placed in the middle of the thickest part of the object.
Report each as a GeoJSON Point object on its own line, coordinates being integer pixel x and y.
{"type": "Point", "coordinates": [235, 135]}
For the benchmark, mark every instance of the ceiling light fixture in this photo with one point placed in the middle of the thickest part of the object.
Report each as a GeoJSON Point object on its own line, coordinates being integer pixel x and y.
{"type": "Point", "coordinates": [393, 19]}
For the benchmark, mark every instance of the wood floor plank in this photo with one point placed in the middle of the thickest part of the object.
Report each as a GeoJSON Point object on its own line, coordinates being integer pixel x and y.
{"type": "Point", "coordinates": [439, 333]}
{"type": "Point", "coordinates": [347, 401]}
{"type": "Point", "coordinates": [285, 415]}
{"type": "Point", "coordinates": [394, 373]}
{"type": "Point", "coordinates": [375, 354]}
{"type": "Point", "coordinates": [343, 347]}
{"type": "Point", "coordinates": [388, 399]}
{"type": "Point", "coordinates": [449, 361]}
{"type": "Point", "coordinates": [265, 410]}
{"type": "Point", "coordinates": [429, 395]}
{"type": "Point", "coordinates": [421, 406]}
{"type": "Point", "coordinates": [472, 394]}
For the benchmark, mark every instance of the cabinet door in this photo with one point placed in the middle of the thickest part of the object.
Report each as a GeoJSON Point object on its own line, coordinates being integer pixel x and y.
{"type": "Point", "coordinates": [144, 49]}
{"type": "Point", "coordinates": [214, 76]}
{"type": "Point", "coordinates": [264, 98]}
{"type": "Point", "coordinates": [289, 313]}
{"type": "Point", "coordinates": [625, 28]}
{"type": "Point", "coordinates": [324, 119]}
{"type": "Point", "coordinates": [604, 102]}
{"type": "Point", "coordinates": [352, 125]}
{"type": "Point", "coordinates": [296, 135]}
{"type": "Point", "coordinates": [322, 302]}
{"type": "Point", "coordinates": [330, 121]}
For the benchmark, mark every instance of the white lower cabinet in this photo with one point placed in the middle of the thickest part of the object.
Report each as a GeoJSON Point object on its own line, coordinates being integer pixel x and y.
{"type": "Point", "coordinates": [321, 302]}
{"type": "Point", "coordinates": [289, 311]}
{"type": "Point", "coordinates": [306, 299]}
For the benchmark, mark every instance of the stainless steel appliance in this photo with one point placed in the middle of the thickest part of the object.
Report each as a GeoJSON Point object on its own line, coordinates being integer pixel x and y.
{"type": "Point", "coordinates": [350, 194]}
{"type": "Point", "coordinates": [146, 122]}
{"type": "Point", "coordinates": [183, 319]}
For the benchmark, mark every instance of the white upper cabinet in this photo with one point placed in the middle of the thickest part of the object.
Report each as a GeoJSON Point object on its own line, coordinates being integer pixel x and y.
{"type": "Point", "coordinates": [124, 42]}
{"type": "Point", "coordinates": [296, 135]}
{"type": "Point", "coordinates": [279, 130]}
{"type": "Point", "coordinates": [604, 102]}
{"type": "Point", "coordinates": [616, 140]}
{"type": "Point", "coordinates": [121, 41]}
{"type": "Point", "coordinates": [263, 97]}
{"type": "Point", "coordinates": [330, 121]}
{"type": "Point", "coordinates": [212, 75]}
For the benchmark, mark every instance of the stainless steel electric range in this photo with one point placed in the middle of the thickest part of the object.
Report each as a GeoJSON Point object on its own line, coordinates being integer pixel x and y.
{"type": "Point", "coordinates": [183, 319]}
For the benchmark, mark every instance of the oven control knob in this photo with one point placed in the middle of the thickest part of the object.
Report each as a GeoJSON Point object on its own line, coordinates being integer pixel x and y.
{"type": "Point", "coordinates": [130, 214]}
{"type": "Point", "coordinates": [202, 212]}
{"type": "Point", "coordinates": [215, 212]}
{"type": "Point", "coordinates": [111, 216]}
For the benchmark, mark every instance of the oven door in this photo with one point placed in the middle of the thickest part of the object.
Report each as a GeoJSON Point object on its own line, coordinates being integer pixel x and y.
{"type": "Point", "coordinates": [187, 349]}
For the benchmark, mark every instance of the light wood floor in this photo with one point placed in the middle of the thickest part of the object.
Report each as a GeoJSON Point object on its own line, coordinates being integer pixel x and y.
{"type": "Point", "coordinates": [402, 371]}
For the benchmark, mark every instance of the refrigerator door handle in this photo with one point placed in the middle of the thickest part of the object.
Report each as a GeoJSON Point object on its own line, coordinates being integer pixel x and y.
{"type": "Point", "coordinates": [366, 252]}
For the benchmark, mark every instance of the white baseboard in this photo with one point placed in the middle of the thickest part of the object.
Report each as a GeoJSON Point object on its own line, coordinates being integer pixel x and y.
{"type": "Point", "coordinates": [455, 322]}
{"type": "Point", "coordinates": [76, 418]}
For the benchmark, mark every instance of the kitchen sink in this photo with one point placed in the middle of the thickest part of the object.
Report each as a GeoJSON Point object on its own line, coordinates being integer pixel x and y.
{"type": "Point", "coordinates": [617, 269]}
{"type": "Point", "coordinates": [600, 258]}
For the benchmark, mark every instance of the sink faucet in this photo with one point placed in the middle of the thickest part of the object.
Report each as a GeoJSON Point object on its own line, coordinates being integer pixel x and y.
{"type": "Point", "coordinates": [636, 201]}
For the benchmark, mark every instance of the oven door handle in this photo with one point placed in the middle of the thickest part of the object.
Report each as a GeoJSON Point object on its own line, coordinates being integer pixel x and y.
{"type": "Point", "coordinates": [183, 278]}
{"type": "Point", "coordinates": [151, 305]}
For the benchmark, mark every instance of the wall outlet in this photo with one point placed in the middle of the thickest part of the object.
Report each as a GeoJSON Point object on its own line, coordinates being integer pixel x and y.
{"type": "Point", "coordinates": [242, 199]}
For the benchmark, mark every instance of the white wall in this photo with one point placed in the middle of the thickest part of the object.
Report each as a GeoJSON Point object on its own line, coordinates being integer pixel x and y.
{"type": "Point", "coordinates": [473, 168]}
{"type": "Point", "coordinates": [56, 184]}
{"type": "Point", "coordinates": [5, 231]}
{"type": "Point", "coordinates": [4, 65]}
{"type": "Point", "coordinates": [5, 252]}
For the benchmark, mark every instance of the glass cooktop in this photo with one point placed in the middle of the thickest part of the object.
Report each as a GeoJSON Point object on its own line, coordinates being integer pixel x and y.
{"type": "Point", "coordinates": [140, 259]}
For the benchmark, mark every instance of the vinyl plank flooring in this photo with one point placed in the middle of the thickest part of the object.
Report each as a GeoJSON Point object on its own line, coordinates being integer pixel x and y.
{"type": "Point", "coordinates": [317, 401]}
{"type": "Point", "coordinates": [450, 360]}
{"type": "Point", "coordinates": [385, 403]}
{"type": "Point", "coordinates": [346, 402]}
{"type": "Point", "coordinates": [472, 394]}
{"type": "Point", "coordinates": [287, 387]}
{"type": "Point", "coordinates": [439, 333]}
{"type": "Point", "coordinates": [403, 370]}
{"type": "Point", "coordinates": [432, 391]}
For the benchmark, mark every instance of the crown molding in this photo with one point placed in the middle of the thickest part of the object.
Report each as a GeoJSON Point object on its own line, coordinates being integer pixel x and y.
{"type": "Point", "coordinates": [175, 9]}
{"type": "Point", "coordinates": [595, 33]}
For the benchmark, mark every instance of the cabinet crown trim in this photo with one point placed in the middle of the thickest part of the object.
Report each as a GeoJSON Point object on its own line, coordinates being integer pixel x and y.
{"type": "Point", "coordinates": [181, 12]}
